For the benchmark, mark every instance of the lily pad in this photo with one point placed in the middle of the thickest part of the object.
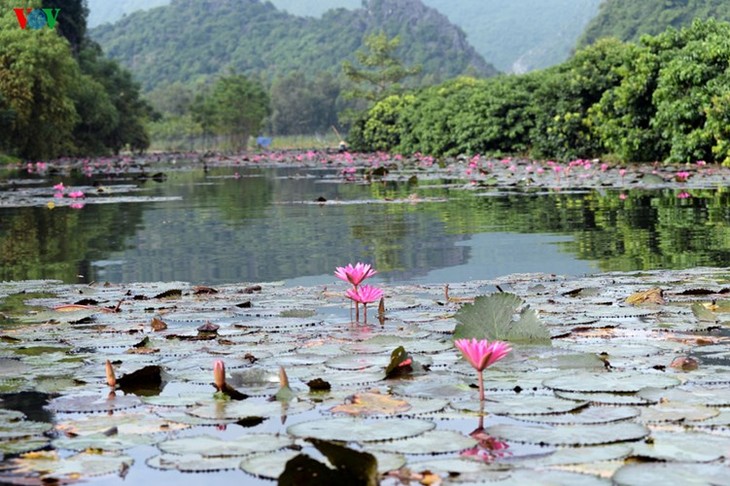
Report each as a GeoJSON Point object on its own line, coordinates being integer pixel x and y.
{"type": "Point", "coordinates": [431, 442]}
{"type": "Point", "coordinates": [587, 415]}
{"type": "Point", "coordinates": [683, 446]}
{"type": "Point", "coordinates": [614, 382]}
{"type": "Point", "coordinates": [193, 463]}
{"type": "Point", "coordinates": [267, 466]}
{"type": "Point", "coordinates": [235, 410]}
{"type": "Point", "coordinates": [104, 442]}
{"type": "Point", "coordinates": [82, 465]}
{"type": "Point", "coordinates": [687, 473]}
{"type": "Point", "coordinates": [361, 430]}
{"type": "Point", "coordinates": [673, 411]}
{"type": "Point", "coordinates": [573, 435]}
{"type": "Point", "coordinates": [518, 405]}
{"type": "Point", "coordinates": [93, 403]}
{"type": "Point", "coordinates": [583, 455]}
{"type": "Point", "coordinates": [209, 446]}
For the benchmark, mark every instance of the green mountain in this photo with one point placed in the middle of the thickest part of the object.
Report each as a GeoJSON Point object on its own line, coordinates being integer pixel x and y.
{"type": "Point", "coordinates": [189, 40]}
{"type": "Point", "coordinates": [628, 20]}
{"type": "Point", "coordinates": [514, 35]}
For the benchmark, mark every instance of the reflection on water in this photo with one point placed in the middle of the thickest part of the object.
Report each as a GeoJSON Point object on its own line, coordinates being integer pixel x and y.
{"type": "Point", "coordinates": [265, 226]}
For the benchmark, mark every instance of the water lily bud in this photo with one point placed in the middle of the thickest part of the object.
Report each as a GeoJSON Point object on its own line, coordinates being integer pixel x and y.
{"type": "Point", "coordinates": [111, 379]}
{"type": "Point", "coordinates": [219, 375]}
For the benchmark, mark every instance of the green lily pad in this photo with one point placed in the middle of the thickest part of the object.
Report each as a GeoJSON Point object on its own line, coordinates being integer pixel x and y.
{"type": "Point", "coordinates": [361, 430]}
{"type": "Point", "coordinates": [672, 411]}
{"type": "Point", "coordinates": [209, 446]}
{"type": "Point", "coordinates": [583, 455]}
{"type": "Point", "coordinates": [712, 396]}
{"type": "Point", "coordinates": [604, 398]}
{"type": "Point", "coordinates": [269, 465]}
{"type": "Point", "coordinates": [93, 403]}
{"type": "Point", "coordinates": [587, 415]}
{"type": "Point", "coordinates": [22, 445]}
{"type": "Point", "coordinates": [530, 477]}
{"type": "Point", "coordinates": [82, 465]}
{"type": "Point", "coordinates": [193, 463]}
{"type": "Point", "coordinates": [573, 435]}
{"type": "Point", "coordinates": [431, 442]}
{"type": "Point", "coordinates": [685, 473]}
{"type": "Point", "coordinates": [518, 405]}
{"type": "Point", "coordinates": [24, 428]}
{"type": "Point", "coordinates": [111, 443]}
{"type": "Point", "coordinates": [234, 410]}
{"type": "Point", "coordinates": [614, 382]}
{"type": "Point", "coordinates": [683, 446]}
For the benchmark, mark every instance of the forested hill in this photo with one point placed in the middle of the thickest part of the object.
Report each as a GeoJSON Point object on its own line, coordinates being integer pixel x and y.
{"type": "Point", "coordinates": [189, 40]}
{"type": "Point", "coordinates": [513, 35]}
{"type": "Point", "coordinates": [628, 20]}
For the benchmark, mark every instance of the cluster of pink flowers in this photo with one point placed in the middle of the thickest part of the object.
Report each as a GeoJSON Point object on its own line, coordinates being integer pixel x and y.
{"type": "Point", "coordinates": [359, 294]}
{"type": "Point", "coordinates": [59, 193]}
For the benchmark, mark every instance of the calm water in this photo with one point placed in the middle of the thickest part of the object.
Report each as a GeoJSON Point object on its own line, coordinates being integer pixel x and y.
{"type": "Point", "coordinates": [265, 226]}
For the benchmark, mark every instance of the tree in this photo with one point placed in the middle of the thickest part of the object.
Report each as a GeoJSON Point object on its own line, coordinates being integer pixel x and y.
{"type": "Point", "coordinates": [300, 105]}
{"type": "Point", "coordinates": [71, 22]}
{"type": "Point", "coordinates": [239, 106]}
{"type": "Point", "coordinates": [37, 71]}
{"type": "Point", "coordinates": [380, 72]}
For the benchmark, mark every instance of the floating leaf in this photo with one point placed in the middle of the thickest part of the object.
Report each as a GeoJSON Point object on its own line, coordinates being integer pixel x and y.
{"type": "Point", "coordinates": [86, 403]}
{"type": "Point", "coordinates": [683, 446]}
{"type": "Point", "coordinates": [239, 410]}
{"type": "Point", "coordinates": [669, 411]}
{"type": "Point", "coordinates": [584, 455]}
{"type": "Point", "coordinates": [369, 403]}
{"type": "Point", "coordinates": [267, 466]}
{"type": "Point", "coordinates": [615, 382]}
{"type": "Point", "coordinates": [652, 296]}
{"type": "Point", "coordinates": [703, 314]}
{"type": "Point", "coordinates": [587, 415]}
{"type": "Point", "coordinates": [104, 442]}
{"type": "Point", "coordinates": [400, 362]}
{"type": "Point", "coordinates": [193, 463]}
{"type": "Point", "coordinates": [209, 446]}
{"type": "Point", "coordinates": [653, 473]}
{"type": "Point", "coordinates": [521, 405]}
{"type": "Point", "coordinates": [572, 435]}
{"type": "Point", "coordinates": [490, 317]}
{"type": "Point", "coordinates": [82, 465]}
{"type": "Point", "coordinates": [346, 429]}
{"type": "Point", "coordinates": [431, 442]}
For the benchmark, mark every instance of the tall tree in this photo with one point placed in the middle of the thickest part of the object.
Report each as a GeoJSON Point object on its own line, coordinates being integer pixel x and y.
{"type": "Point", "coordinates": [300, 105]}
{"type": "Point", "coordinates": [380, 72]}
{"type": "Point", "coordinates": [71, 22]}
{"type": "Point", "coordinates": [239, 105]}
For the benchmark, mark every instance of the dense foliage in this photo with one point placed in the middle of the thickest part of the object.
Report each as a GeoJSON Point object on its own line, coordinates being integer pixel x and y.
{"type": "Point", "coordinates": [190, 41]}
{"type": "Point", "coordinates": [59, 95]}
{"type": "Point", "coordinates": [628, 20]}
{"type": "Point", "coordinates": [664, 99]}
{"type": "Point", "coordinates": [514, 35]}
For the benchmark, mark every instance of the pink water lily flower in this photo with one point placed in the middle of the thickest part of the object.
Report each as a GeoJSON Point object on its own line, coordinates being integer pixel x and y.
{"type": "Point", "coordinates": [59, 187]}
{"type": "Point", "coordinates": [481, 354]}
{"type": "Point", "coordinates": [355, 275]}
{"type": "Point", "coordinates": [76, 194]}
{"type": "Point", "coordinates": [365, 294]}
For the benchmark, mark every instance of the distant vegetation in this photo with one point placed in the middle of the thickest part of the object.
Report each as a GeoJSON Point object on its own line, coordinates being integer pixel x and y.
{"type": "Point", "coordinates": [664, 99]}
{"type": "Point", "coordinates": [514, 35]}
{"type": "Point", "coordinates": [628, 20]}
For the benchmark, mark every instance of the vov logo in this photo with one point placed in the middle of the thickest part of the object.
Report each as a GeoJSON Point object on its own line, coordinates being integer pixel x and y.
{"type": "Point", "coordinates": [36, 18]}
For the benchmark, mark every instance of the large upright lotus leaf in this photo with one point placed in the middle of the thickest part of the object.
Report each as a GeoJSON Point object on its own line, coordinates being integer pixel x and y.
{"type": "Point", "coordinates": [683, 446]}
{"type": "Point", "coordinates": [431, 442]}
{"type": "Point", "coordinates": [193, 463]}
{"type": "Point", "coordinates": [571, 435]}
{"type": "Point", "coordinates": [518, 405]}
{"type": "Point", "coordinates": [360, 430]}
{"type": "Point", "coordinates": [210, 446]}
{"type": "Point", "coordinates": [614, 382]}
{"type": "Point", "coordinates": [587, 415]}
{"type": "Point", "coordinates": [104, 442]}
{"type": "Point", "coordinates": [713, 396]}
{"type": "Point", "coordinates": [235, 410]}
{"type": "Point", "coordinates": [685, 473]}
{"type": "Point", "coordinates": [490, 317]}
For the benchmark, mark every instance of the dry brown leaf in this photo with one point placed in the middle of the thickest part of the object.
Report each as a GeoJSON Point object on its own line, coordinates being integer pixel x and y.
{"type": "Point", "coordinates": [371, 403]}
{"type": "Point", "coordinates": [652, 296]}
